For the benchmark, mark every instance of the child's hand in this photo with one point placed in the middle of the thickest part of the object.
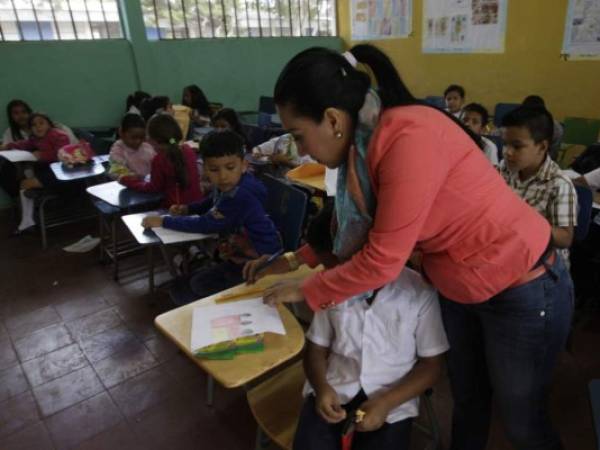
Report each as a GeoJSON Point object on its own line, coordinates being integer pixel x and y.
{"type": "Point", "coordinates": [152, 221]}
{"type": "Point", "coordinates": [280, 158]}
{"type": "Point", "coordinates": [328, 405]}
{"type": "Point", "coordinates": [252, 275]}
{"type": "Point", "coordinates": [376, 411]}
{"type": "Point", "coordinates": [178, 210]}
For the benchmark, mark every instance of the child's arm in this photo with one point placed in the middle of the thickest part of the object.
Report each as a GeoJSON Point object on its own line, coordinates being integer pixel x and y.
{"type": "Point", "coordinates": [25, 144]}
{"type": "Point", "coordinates": [118, 163]}
{"type": "Point", "coordinates": [562, 214]}
{"type": "Point", "coordinates": [423, 376]}
{"type": "Point", "coordinates": [562, 237]}
{"type": "Point", "coordinates": [156, 183]}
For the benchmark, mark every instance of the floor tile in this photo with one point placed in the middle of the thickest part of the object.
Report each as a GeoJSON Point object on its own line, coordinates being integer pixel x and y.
{"type": "Point", "coordinates": [12, 382]}
{"type": "Point", "coordinates": [82, 421]}
{"type": "Point", "coordinates": [53, 365]}
{"type": "Point", "coordinates": [17, 412]}
{"type": "Point", "coordinates": [123, 365]}
{"type": "Point", "coordinates": [8, 357]}
{"type": "Point", "coordinates": [162, 349]}
{"type": "Point", "coordinates": [94, 323]}
{"type": "Point", "coordinates": [104, 344]}
{"type": "Point", "coordinates": [32, 437]}
{"type": "Point", "coordinates": [43, 341]}
{"type": "Point", "coordinates": [67, 390]}
{"type": "Point", "coordinates": [24, 324]}
{"type": "Point", "coordinates": [120, 437]}
{"type": "Point", "coordinates": [79, 307]}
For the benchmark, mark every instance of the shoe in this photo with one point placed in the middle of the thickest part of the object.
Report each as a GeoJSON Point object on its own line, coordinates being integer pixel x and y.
{"type": "Point", "coordinates": [24, 232]}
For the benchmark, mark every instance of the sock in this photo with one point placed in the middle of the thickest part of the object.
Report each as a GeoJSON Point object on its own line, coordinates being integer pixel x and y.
{"type": "Point", "coordinates": [27, 205]}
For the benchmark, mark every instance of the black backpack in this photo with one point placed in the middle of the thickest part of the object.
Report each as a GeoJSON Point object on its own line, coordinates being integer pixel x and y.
{"type": "Point", "coordinates": [588, 160]}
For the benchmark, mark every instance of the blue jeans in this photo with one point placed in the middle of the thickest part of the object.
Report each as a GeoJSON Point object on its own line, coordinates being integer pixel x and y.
{"type": "Point", "coordinates": [508, 346]}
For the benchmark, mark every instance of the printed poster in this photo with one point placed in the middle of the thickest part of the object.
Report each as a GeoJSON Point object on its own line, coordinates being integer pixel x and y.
{"type": "Point", "coordinates": [582, 31]}
{"type": "Point", "coordinates": [464, 26]}
{"type": "Point", "coordinates": [380, 19]}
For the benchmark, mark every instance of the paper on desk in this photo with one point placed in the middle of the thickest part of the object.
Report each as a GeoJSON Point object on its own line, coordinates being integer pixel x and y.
{"type": "Point", "coordinates": [168, 236]}
{"type": "Point", "coordinates": [212, 324]}
{"type": "Point", "coordinates": [18, 155]}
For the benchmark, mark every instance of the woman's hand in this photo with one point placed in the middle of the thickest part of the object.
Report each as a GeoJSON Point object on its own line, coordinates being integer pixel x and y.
{"type": "Point", "coordinates": [252, 272]}
{"type": "Point", "coordinates": [178, 210]}
{"type": "Point", "coordinates": [376, 411]}
{"type": "Point", "coordinates": [328, 405]}
{"type": "Point", "coordinates": [287, 291]}
{"type": "Point", "coordinates": [152, 221]}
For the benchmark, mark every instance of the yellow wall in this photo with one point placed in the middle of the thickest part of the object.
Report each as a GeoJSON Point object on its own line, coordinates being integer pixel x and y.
{"type": "Point", "coordinates": [531, 63]}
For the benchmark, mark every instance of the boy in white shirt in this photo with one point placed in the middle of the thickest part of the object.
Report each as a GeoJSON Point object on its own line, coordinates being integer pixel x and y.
{"type": "Point", "coordinates": [454, 95]}
{"type": "Point", "coordinates": [375, 353]}
{"type": "Point", "coordinates": [476, 118]}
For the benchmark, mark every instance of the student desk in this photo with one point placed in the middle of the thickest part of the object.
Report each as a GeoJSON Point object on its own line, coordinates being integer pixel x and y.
{"type": "Point", "coordinates": [112, 200]}
{"type": "Point", "coordinates": [95, 168]}
{"type": "Point", "coordinates": [309, 175]}
{"type": "Point", "coordinates": [244, 369]}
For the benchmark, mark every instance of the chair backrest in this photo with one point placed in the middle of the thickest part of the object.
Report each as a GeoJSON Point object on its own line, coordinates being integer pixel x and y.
{"type": "Point", "coordinates": [436, 100]}
{"type": "Point", "coordinates": [501, 110]}
{"type": "Point", "coordinates": [499, 144]}
{"type": "Point", "coordinates": [266, 105]}
{"type": "Point", "coordinates": [581, 131]}
{"type": "Point", "coordinates": [585, 199]}
{"type": "Point", "coordinates": [286, 205]}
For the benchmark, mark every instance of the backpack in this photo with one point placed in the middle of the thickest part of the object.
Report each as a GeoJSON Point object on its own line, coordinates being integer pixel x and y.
{"type": "Point", "coordinates": [73, 155]}
{"type": "Point", "coordinates": [589, 160]}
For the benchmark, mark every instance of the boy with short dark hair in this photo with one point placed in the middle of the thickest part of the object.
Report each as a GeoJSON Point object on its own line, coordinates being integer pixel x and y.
{"type": "Point", "coordinates": [454, 95]}
{"type": "Point", "coordinates": [235, 210]}
{"type": "Point", "coordinates": [476, 118]}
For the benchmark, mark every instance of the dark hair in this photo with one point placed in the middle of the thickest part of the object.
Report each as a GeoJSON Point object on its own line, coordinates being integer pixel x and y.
{"type": "Point", "coordinates": [15, 131]}
{"type": "Point", "coordinates": [150, 106]}
{"type": "Point", "coordinates": [318, 233]}
{"type": "Point", "coordinates": [136, 99]}
{"type": "Point", "coordinates": [538, 121]}
{"type": "Point", "coordinates": [231, 117]}
{"type": "Point", "coordinates": [455, 88]}
{"type": "Point", "coordinates": [534, 101]}
{"type": "Point", "coordinates": [222, 143]}
{"type": "Point", "coordinates": [164, 130]}
{"type": "Point", "coordinates": [130, 121]}
{"type": "Point", "coordinates": [319, 78]}
{"type": "Point", "coordinates": [479, 109]}
{"type": "Point", "coordinates": [199, 100]}
{"type": "Point", "coordinates": [43, 116]}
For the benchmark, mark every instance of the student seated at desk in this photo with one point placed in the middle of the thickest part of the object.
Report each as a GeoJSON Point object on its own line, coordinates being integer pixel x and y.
{"type": "Point", "coordinates": [45, 142]}
{"type": "Point", "coordinates": [159, 104]}
{"type": "Point", "coordinates": [133, 103]}
{"type": "Point", "coordinates": [131, 155]}
{"type": "Point", "coordinates": [282, 152]}
{"type": "Point", "coordinates": [531, 173]}
{"type": "Point", "coordinates": [377, 352]}
{"type": "Point", "coordinates": [235, 210]}
{"type": "Point", "coordinates": [476, 118]}
{"type": "Point", "coordinates": [174, 170]}
{"type": "Point", "coordinates": [228, 119]}
{"type": "Point", "coordinates": [193, 97]}
{"type": "Point", "coordinates": [454, 95]}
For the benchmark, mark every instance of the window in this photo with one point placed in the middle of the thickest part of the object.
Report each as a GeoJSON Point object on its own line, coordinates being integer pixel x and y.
{"type": "Point", "coordinates": [49, 20]}
{"type": "Point", "coordinates": [180, 19]}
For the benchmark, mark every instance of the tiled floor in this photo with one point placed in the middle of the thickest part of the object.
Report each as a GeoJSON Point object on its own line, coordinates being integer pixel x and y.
{"type": "Point", "coordinates": [82, 366]}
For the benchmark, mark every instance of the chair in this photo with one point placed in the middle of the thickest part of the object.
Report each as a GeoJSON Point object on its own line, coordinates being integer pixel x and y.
{"type": "Point", "coordinates": [585, 199]}
{"type": "Point", "coordinates": [286, 205]}
{"type": "Point", "coordinates": [594, 388]}
{"type": "Point", "coordinates": [266, 105]}
{"type": "Point", "coordinates": [581, 131]}
{"type": "Point", "coordinates": [437, 101]}
{"type": "Point", "coordinates": [501, 110]}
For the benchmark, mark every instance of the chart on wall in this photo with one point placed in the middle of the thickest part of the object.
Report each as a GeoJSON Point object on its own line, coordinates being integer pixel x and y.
{"type": "Point", "coordinates": [381, 19]}
{"type": "Point", "coordinates": [582, 31]}
{"type": "Point", "coordinates": [464, 26]}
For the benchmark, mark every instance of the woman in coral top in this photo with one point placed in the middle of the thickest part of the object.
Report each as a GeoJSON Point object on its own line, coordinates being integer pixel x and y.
{"type": "Point", "coordinates": [412, 178]}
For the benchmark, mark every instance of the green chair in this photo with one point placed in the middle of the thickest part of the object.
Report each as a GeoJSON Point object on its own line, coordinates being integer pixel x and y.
{"type": "Point", "coordinates": [581, 131]}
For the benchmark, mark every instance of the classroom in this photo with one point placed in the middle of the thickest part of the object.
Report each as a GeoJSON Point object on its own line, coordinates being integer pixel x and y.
{"type": "Point", "coordinates": [299, 225]}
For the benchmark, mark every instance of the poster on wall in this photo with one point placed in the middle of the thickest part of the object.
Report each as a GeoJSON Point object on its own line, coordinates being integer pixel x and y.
{"type": "Point", "coordinates": [381, 19]}
{"type": "Point", "coordinates": [582, 31]}
{"type": "Point", "coordinates": [464, 26]}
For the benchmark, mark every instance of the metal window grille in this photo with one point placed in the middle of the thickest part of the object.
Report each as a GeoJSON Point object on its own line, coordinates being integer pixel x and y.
{"type": "Point", "coordinates": [184, 19]}
{"type": "Point", "coordinates": [50, 20]}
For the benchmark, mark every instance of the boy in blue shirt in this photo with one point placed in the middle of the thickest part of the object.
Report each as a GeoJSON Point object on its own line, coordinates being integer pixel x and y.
{"type": "Point", "coordinates": [235, 210]}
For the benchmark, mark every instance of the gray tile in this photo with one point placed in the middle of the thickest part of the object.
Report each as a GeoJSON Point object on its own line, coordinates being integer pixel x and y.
{"type": "Point", "coordinates": [104, 344]}
{"type": "Point", "coordinates": [120, 437]}
{"type": "Point", "coordinates": [162, 349]}
{"type": "Point", "coordinates": [74, 425]}
{"type": "Point", "coordinates": [94, 323]}
{"type": "Point", "coordinates": [24, 324]}
{"type": "Point", "coordinates": [74, 309]}
{"type": "Point", "coordinates": [17, 412]}
{"type": "Point", "coordinates": [12, 382]}
{"type": "Point", "coordinates": [123, 365]}
{"type": "Point", "coordinates": [67, 390]}
{"type": "Point", "coordinates": [32, 437]}
{"type": "Point", "coordinates": [42, 342]}
{"type": "Point", "coordinates": [8, 357]}
{"type": "Point", "coordinates": [53, 365]}
{"type": "Point", "coordinates": [143, 391]}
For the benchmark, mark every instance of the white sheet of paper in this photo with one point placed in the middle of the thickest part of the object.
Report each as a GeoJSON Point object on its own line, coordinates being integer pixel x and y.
{"type": "Point", "coordinates": [222, 322]}
{"type": "Point", "coordinates": [109, 192]}
{"type": "Point", "coordinates": [18, 155]}
{"type": "Point", "coordinates": [168, 236]}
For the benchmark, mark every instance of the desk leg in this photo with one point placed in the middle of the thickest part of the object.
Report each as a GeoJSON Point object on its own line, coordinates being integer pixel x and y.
{"type": "Point", "coordinates": [114, 247]}
{"type": "Point", "coordinates": [151, 268]}
{"type": "Point", "coordinates": [168, 261]}
{"type": "Point", "coordinates": [210, 390]}
{"type": "Point", "coordinates": [101, 235]}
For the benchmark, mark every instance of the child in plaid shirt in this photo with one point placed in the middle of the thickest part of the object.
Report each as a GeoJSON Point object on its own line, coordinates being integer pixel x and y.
{"type": "Point", "coordinates": [531, 173]}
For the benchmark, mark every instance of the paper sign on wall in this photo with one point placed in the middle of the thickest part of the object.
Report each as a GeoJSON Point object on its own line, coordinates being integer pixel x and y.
{"type": "Point", "coordinates": [582, 30]}
{"type": "Point", "coordinates": [380, 19]}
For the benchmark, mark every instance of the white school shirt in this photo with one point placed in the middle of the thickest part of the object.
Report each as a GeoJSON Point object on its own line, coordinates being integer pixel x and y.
{"type": "Point", "coordinates": [490, 150]}
{"type": "Point", "coordinates": [374, 347]}
{"type": "Point", "coordinates": [7, 136]}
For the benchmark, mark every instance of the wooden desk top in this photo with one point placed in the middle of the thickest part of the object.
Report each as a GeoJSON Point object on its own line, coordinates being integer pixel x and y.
{"type": "Point", "coordinates": [177, 326]}
{"type": "Point", "coordinates": [311, 175]}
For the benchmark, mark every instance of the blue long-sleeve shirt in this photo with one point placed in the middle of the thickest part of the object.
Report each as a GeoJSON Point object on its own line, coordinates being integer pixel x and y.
{"type": "Point", "coordinates": [239, 210]}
